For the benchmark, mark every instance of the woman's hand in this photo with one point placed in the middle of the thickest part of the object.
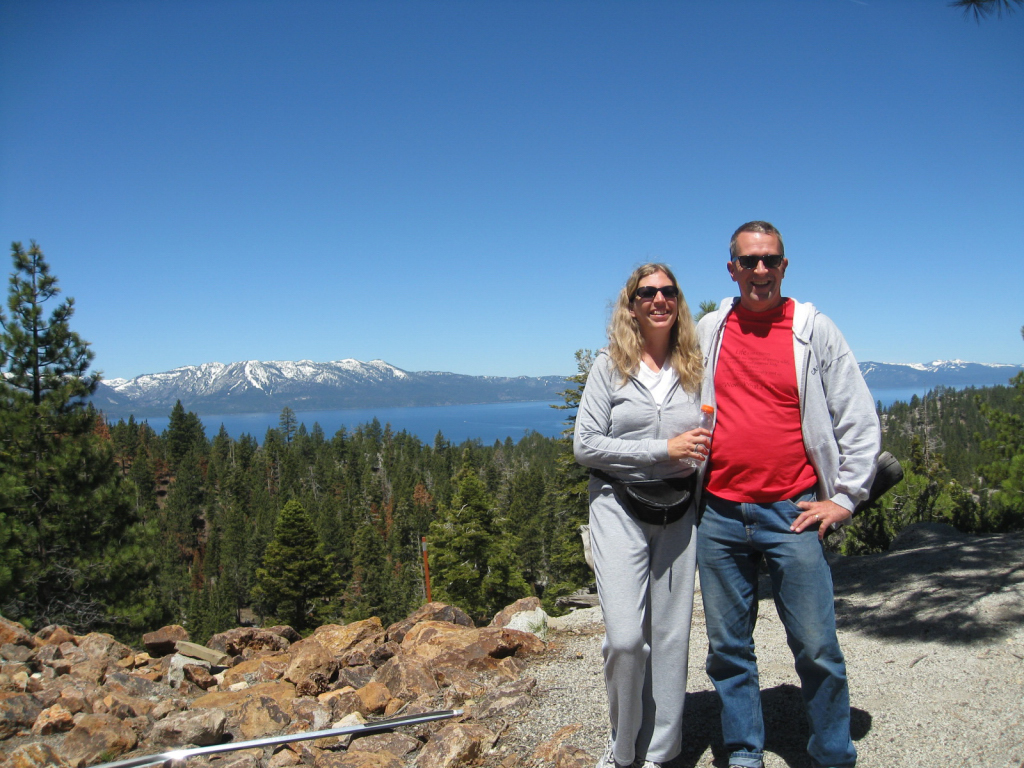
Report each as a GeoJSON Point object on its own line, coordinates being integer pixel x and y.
{"type": "Point", "coordinates": [695, 444]}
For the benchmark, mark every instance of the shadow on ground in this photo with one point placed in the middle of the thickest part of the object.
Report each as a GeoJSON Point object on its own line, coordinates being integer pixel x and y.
{"type": "Point", "coordinates": [785, 725]}
{"type": "Point", "coordinates": [960, 592]}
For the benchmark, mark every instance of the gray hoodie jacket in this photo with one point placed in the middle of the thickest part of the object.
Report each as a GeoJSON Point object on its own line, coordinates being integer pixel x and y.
{"type": "Point", "coordinates": [621, 430]}
{"type": "Point", "coordinates": [837, 412]}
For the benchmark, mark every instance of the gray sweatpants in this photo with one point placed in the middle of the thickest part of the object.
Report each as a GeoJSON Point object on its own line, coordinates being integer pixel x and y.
{"type": "Point", "coordinates": [645, 576]}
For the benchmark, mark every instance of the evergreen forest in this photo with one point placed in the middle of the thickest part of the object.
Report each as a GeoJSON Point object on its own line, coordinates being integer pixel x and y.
{"type": "Point", "coordinates": [114, 527]}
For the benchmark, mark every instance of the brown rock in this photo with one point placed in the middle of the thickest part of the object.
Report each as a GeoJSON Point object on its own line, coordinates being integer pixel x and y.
{"type": "Point", "coordinates": [288, 633]}
{"type": "Point", "coordinates": [546, 751]}
{"type": "Point", "coordinates": [47, 654]}
{"type": "Point", "coordinates": [284, 758]}
{"type": "Point", "coordinates": [96, 738]}
{"type": "Point", "coordinates": [168, 707]}
{"type": "Point", "coordinates": [357, 760]}
{"type": "Point", "coordinates": [502, 617]}
{"type": "Point", "coordinates": [103, 647]}
{"type": "Point", "coordinates": [18, 711]}
{"type": "Point", "coordinates": [260, 670]}
{"type": "Point", "coordinates": [384, 652]}
{"type": "Point", "coordinates": [310, 715]}
{"type": "Point", "coordinates": [394, 707]}
{"type": "Point", "coordinates": [161, 642]}
{"type": "Point", "coordinates": [397, 744]}
{"type": "Point", "coordinates": [337, 639]}
{"type": "Point", "coordinates": [123, 706]}
{"type": "Point", "coordinates": [248, 642]}
{"type": "Point", "coordinates": [133, 685]}
{"type": "Point", "coordinates": [374, 696]}
{"type": "Point", "coordinates": [407, 677]}
{"type": "Point", "coordinates": [429, 612]}
{"type": "Point", "coordinates": [314, 685]}
{"type": "Point", "coordinates": [91, 670]}
{"type": "Point", "coordinates": [342, 702]}
{"type": "Point", "coordinates": [53, 719]}
{"type": "Point", "coordinates": [70, 651]}
{"type": "Point", "coordinates": [12, 652]}
{"type": "Point", "coordinates": [199, 727]}
{"type": "Point", "coordinates": [54, 635]}
{"type": "Point", "coordinates": [36, 755]}
{"type": "Point", "coordinates": [570, 756]}
{"type": "Point", "coordinates": [231, 701]}
{"type": "Point", "coordinates": [357, 677]}
{"type": "Point", "coordinates": [308, 656]}
{"type": "Point", "coordinates": [508, 698]}
{"type": "Point", "coordinates": [77, 699]}
{"type": "Point", "coordinates": [456, 744]}
{"type": "Point", "coordinates": [13, 632]}
{"type": "Point", "coordinates": [246, 758]}
{"type": "Point", "coordinates": [260, 716]}
{"type": "Point", "coordinates": [199, 676]}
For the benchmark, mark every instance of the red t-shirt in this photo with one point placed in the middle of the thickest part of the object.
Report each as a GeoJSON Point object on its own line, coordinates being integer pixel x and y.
{"type": "Point", "coordinates": [758, 451]}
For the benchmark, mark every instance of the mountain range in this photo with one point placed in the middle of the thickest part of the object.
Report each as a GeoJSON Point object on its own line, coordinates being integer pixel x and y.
{"type": "Point", "coordinates": [258, 387]}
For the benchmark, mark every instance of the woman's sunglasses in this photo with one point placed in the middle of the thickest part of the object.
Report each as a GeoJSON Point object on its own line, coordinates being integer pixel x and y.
{"type": "Point", "coordinates": [648, 292]}
{"type": "Point", "coordinates": [750, 262]}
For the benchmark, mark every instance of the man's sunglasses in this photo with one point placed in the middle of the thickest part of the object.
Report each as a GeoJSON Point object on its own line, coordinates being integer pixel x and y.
{"type": "Point", "coordinates": [648, 292]}
{"type": "Point", "coordinates": [750, 262]}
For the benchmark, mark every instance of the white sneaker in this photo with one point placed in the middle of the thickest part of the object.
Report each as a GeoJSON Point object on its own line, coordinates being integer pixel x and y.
{"type": "Point", "coordinates": [608, 760]}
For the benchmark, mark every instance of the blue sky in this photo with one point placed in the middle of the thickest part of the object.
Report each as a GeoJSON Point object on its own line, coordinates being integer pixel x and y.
{"type": "Point", "coordinates": [464, 186]}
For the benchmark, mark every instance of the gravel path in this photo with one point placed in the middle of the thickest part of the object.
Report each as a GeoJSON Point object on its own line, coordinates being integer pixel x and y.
{"type": "Point", "coordinates": [934, 642]}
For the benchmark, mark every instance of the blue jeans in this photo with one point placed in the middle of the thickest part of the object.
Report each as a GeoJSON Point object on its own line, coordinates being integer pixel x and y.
{"type": "Point", "coordinates": [731, 540]}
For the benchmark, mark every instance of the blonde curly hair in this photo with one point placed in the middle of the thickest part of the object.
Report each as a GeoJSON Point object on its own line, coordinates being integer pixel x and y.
{"type": "Point", "coordinates": [626, 344]}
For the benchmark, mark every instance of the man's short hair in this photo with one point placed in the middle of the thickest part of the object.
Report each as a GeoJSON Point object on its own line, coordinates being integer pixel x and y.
{"type": "Point", "coordinates": [762, 227]}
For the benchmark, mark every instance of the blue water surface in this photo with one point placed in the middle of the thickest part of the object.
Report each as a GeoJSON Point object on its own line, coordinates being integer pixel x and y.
{"type": "Point", "coordinates": [485, 422]}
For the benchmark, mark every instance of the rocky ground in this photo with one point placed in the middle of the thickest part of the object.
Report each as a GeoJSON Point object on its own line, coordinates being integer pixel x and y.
{"type": "Point", "coordinates": [934, 640]}
{"type": "Point", "coordinates": [933, 635]}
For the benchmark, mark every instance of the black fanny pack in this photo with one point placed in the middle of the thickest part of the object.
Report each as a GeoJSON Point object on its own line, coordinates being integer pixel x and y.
{"type": "Point", "coordinates": [657, 502]}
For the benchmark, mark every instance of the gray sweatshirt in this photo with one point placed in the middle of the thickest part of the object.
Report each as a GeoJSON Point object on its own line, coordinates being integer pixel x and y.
{"type": "Point", "coordinates": [620, 429]}
{"type": "Point", "coordinates": [841, 433]}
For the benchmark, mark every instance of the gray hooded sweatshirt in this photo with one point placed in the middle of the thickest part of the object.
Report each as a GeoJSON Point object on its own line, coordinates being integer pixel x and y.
{"type": "Point", "coordinates": [841, 433]}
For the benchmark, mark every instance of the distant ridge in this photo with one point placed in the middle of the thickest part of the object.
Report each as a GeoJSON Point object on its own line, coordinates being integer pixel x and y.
{"type": "Point", "coordinates": [945, 373]}
{"type": "Point", "coordinates": [252, 386]}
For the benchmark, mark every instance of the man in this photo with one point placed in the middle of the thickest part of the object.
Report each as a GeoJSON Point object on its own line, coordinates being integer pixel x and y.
{"type": "Point", "coordinates": [793, 452]}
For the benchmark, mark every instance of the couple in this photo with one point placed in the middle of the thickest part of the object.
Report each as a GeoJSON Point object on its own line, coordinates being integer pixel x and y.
{"type": "Point", "coordinates": [795, 443]}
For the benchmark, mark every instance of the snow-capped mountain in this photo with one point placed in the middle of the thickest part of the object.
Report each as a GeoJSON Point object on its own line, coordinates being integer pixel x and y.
{"type": "Point", "coordinates": [252, 386]}
{"type": "Point", "coordinates": [255, 387]}
{"type": "Point", "coordinates": [945, 373]}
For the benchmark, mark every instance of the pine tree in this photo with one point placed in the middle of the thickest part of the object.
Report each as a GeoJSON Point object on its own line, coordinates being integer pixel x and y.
{"type": "Point", "coordinates": [75, 549]}
{"type": "Point", "coordinates": [297, 583]}
{"type": "Point", "coordinates": [473, 559]}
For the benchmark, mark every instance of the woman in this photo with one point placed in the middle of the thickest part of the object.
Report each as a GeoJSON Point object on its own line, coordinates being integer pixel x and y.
{"type": "Point", "coordinates": [638, 420]}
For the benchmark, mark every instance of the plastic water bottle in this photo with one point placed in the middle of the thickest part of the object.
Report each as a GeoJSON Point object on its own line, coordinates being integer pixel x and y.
{"type": "Point", "coordinates": [707, 421]}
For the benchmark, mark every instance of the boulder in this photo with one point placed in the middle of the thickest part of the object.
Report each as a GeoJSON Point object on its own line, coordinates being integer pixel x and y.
{"type": "Point", "coordinates": [53, 719]}
{"type": "Point", "coordinates": [309, 656]}
{"type": "Point", "coordinates": [338, 639]}
{"type": "Point", "coordinates": [261, 716]}
{"type": "Point", "coordinates": [36, 755]}
{"type": "Point", "coordinates": [570, 756]}
{"type": "Point", "coordinates": [429, 612]}
{"type": "Point", "coordinates": [502, 617]}
{"type": "Point", "coordinates": [100, 646]}
{"type": "Point", "coordinates": [161, 642]}
{"type": "Point", "coordinates": [248, 642]}
{"type": "Point", "coordinates": [96, 739]}
{"type": "Point", "coordinates": [210, 656]}
{"type": "Point", "coordinates": [14, 633]}
{"type": "Point", "coordinates": [374, 697]}
{"type": "Point", "coordinates": [200, 727]}
{"type": "Point", "coordinates": [18, 711]}
{"type": "Point", "coordinates": [456, 744]}
{"type": "Point", "coordinates": [407, 677]}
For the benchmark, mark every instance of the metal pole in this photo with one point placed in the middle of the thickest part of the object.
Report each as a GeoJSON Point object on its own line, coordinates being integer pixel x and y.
{"type": "Point", "coordinates": [426, 567]}
{"type": "Point", "coordinates": [377, 725]}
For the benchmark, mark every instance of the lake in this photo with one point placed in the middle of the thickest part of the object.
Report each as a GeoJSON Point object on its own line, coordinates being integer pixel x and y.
{"type": "Point", "coordinates": [486, 422]}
